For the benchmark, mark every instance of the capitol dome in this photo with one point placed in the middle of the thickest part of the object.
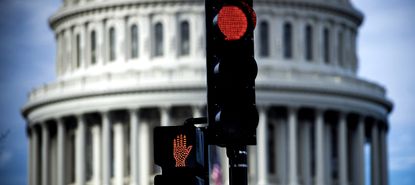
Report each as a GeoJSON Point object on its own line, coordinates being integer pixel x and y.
{"type": "Point", "coordinates": [126, 66]}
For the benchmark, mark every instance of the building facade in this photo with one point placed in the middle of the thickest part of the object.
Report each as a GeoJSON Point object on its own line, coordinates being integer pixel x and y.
{"type": "Point", "coordinates": [126, 66]}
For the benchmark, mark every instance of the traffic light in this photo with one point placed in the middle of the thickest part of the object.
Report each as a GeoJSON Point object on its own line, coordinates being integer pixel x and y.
{"type": "Point", "coordinates": [181, 153]}
{"type": "Point", "coordinates": [231, 72]}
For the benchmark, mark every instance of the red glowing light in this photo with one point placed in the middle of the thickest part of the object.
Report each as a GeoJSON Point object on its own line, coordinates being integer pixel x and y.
{"type": "Point", "coordinates": [232, 22]}
{"type": "Point", "coordinates": [181, 150]}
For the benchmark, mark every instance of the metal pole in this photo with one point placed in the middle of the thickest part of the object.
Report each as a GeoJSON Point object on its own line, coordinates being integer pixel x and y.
{"type": "Point", "coordinates": [238, 166]}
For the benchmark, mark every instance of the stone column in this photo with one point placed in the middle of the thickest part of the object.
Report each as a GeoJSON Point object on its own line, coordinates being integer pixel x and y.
{"type": "Point", "coordinates": [80, 151]}
{"type": "Point", "coordinates": [145, 37]}
{"type": "Point", "coordinates": [342, 149]}
{"type": "Point", "coordinates": [61, 151]}
{"type": "Point", "coordinates": [106, 149]}
{"type": "Point", "coordinates": [319, 134]}
{"type": "Point", "coordinates": [305, 152]}
{"type": "Point", "coordinates": [360, 168]}
{"type": "Point", "coordinates": [143, 155]}
{"type": "Point", "coordinates": [36, 158]}
{"type": "Point", "coordinates": [134, 147]}
{"type": "Point", "coordinates": [318, 42]}
{"type": "Point", "coordinates": [328, 135]}
{"type": "Point", "coordinates": [281, 148]}
{"type": "Point", "coordinates": [45, 154]}
{"type": "Point", "coordinates": [119, 153]}
{"type": "Point", "coordinates": [374, 154]}
{"type": "Point", "coordinates": [165, 116]}
{"type": "Point", "coordinates": [262, 149]}
{"type": "Point", "coordinates": [225, 165]}
{"type": "Point", "coordinates": [29, 156]}
{"type": "Point", "coordinates": [171, 36]}
{"type": "Point", "coordinates": [292, 147]}
{"type": "Point", "coordinates": [100, 45]}
{"type": "Point", "coordinates": [96, 152]}
{"type": "Point", "coordinates": [384, 151]}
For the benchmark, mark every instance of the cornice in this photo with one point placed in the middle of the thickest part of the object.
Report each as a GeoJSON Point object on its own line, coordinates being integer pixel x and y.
{"type": "Point", "coordinates": [106, 6]}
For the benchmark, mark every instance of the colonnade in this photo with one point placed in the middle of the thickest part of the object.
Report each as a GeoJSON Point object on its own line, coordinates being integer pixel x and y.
{"type": "Point", "coordinates": [301, 146]}
{"type": "Point", "coordinates": [119, 146]}
{"type": "Point", "coordinates": [295, 146]}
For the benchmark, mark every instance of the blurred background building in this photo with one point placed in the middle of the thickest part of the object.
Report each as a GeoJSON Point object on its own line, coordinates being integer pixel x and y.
{"type": "Point", "coordinates": [127, 66]}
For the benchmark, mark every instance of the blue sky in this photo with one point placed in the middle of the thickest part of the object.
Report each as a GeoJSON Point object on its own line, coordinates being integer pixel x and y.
{"type": "Point", "coordinates": [386, 52]}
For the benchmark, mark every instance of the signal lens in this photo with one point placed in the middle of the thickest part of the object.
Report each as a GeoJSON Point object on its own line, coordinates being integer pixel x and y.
{"type": "Point", "coordinates": [232, 22]}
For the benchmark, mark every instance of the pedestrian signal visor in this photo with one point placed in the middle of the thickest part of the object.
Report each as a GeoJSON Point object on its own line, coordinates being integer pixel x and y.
{"type": "Point", "coordinates": [234, 20]}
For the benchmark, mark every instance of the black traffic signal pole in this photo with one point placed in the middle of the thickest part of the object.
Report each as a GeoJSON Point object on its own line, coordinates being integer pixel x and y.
{"type": "Point", "coordinates": [238, 165]}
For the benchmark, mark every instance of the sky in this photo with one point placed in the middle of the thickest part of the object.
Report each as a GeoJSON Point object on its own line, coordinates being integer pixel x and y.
{"type": "Point", "coordinates": [386, 49]}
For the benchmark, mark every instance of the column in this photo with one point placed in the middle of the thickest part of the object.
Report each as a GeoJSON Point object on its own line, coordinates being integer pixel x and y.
{"type": "Point", "coordinates": [84, 49]}
{"type": "Point", "coordinates": [374, 150]}
{"type": "Point", "coordinates": [292, 147]}
{"type": "Point", "coordinates": [305, 152]}
{"type": "Point", "coordinates": [281, 147]}
{"type": "Point", "coordinates": [145, 37]}
{"type": "Point", "coordinates": [96, 153]}
{"type": "Point", "coordinates": [225, 165]}
{"type": "Point", "coordinates": [36, 158]}
{"type": "Point", "coordinates": [144, 154]}
{"type": "Point", "coordinates": [342, 149]}
{"type": "Point", "coordinates": [262, 149]}
{"type": "Point", "coordinates": [318, 42]}
{"type": "Point", "coordinates": [45, 154]}
{"type": "Point", "coordinates": [80, 151]}
{"type": "Point", "coordinates": [299, 37]}
{"type": "Point", "coordinates": [134, 146]}
{"type": "Point", "coordinates": [30, 156]}
{"type": "Point", "coordinates": [165, 116]}
{"type": "Point", "coordinates": [119, 153]}
{"type": "Point", "coordinates": [100, 38]}
{"type": "Point", "coordinates": [61, 151]}
{"type": "Point", "coordinates": [106, 149]}
{"type": "Point", "coordinates": [170, 31]}
{"type": "Point", "coordinates": [319, 134]}
{"type": "Point", "coordinates": [328, 166]}
{"type": "Point", "coordinates": [385, 174]}
{"type": "Point", "coordinates": [360, 168]}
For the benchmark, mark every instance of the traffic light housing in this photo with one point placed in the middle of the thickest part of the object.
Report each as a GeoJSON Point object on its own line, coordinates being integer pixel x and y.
{"type": "Point", "coordinates": [231, 72]}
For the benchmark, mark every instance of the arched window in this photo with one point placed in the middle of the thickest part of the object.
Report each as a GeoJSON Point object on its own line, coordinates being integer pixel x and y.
{"type": "Point", "coordinates": [158, 38]}
{"type": "Point", "coordinates": [287, 38]}
{"type": "Point", "coordinates": [308, 43]}
{"type": "Point", "coordinates": [78, 50]}
{"type": "Point", "coordinates": [112, 44]}
{"type": "Point", "coordinates": [184, 38]}
{"type": "Point", "coordinates": [93, 47]}
{"type": "Point", "coordinates": [340, 49]}
{"type": "Point", "coordinates": [134, 41]}
{"type": "Point", "coordinates": [264, 39]}
{"type": "Point", "coordinates": [326, 45]}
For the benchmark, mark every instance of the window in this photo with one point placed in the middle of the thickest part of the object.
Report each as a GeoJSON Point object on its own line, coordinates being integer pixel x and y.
{"type": "Point", "coordinates": [93, 47]}
{"type": "Point", "coordinates": [185, 38]}
{"type": "Point", "coordinates": [287, 49]}
{"type": "Point", "coordinates": [308, 43]}
{"type": "Point", "coordinates": [264, 39]}
{"type": "Point", "coordinates": [78, 51]}
{"type": "Point", "coordinates": [158, 38]}
{"type": "Point", "coordinates": [340, 52]}
{"type": "Point", "coordinates": [134, 41]}
{"type": "Point", "coordinates": [112, 44]}
{"type": "Point", "coordinates": [326, 45]}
